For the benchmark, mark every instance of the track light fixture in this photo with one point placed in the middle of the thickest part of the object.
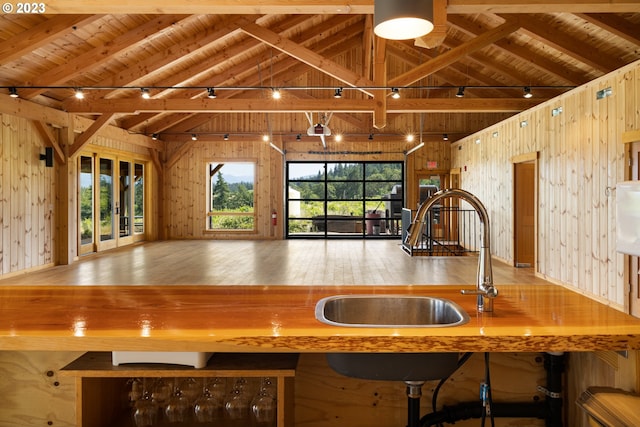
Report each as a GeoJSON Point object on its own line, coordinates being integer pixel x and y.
{"type": "Point", "coordinates": [298, 137]}
{"type": "Point", "coordinates": [275, 93]}
{"type": "Point", "coordinates": [145, 93]}
{"type": "Point", "coordinates": [370, 137]}
{"type": "Point", "coordinates": [226, 137]}
{"type": "Point", "coordinates": [154, 136]}
{"type": "Point", "coordinates": [211, 93]}
{"type": "Point", "coordinates": [527, 92]}
{"type": "Point", "coordinates": [338, 137]}
{"type": "Point", "coordinates": [445, 137]}
{"type": "Point", "coordinates": [395, 93]}
{"type": "Point", "coordinates": [460, 93]}
{"type": "Point", "coordinates": [410, 137]}
{"type": "Point", "coordinates": [79, 94]}
{"type": "Point", "coordinates": [265, 138]}
{"type": "Point", "coordinates": [194, 137]}
{"type": "Point", "coordinates": [338, 93]}
{"type": "Point", "coordinates": [13, 92]}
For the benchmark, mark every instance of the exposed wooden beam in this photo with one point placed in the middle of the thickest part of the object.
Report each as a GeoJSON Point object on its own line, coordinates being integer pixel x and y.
{"type": "Point", "coordinates": [614, 24]}
{"type": "Point", "coordinates": [308, 56]}
{"type": "Point", "coordinates": [328, 7]}
{"type": "Point", "coordinates": [439, 33]}
{"type": "Point", "coordinates": [538, 61]}
{"type": "Point", "coordinates": [128, 106]}
{"type": "Point", "coordinates": [51, 140]}
{"type": "Point", "coordinates": [380, 79]}
{"type": "Point", "coordinates": [32, 111]}
{"type": "Point", "coordinates": [84, 138]}
{"type": "Point", "coordinates": [572, 47]}
{"type": "Point", "coordinates": [41, 34]}
{"type": "Point", "coordinates": [455, 54]}
{"type": "Point", "coordinates": [98, 55]}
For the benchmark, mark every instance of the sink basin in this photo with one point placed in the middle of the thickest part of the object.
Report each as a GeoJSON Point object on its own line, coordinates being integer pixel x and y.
{"type": "Point", "coordinates": [389, 311]}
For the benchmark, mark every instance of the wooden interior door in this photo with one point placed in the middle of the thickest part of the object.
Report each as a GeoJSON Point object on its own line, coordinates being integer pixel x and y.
{"type": "Point", "coordinates": [524, 214]}
{"type": "Point", "coordinates": [634, 262]}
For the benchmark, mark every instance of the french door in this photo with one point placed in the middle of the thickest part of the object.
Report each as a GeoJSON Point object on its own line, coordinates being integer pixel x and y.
{"type": "Point", "coordinates": [111, 195]}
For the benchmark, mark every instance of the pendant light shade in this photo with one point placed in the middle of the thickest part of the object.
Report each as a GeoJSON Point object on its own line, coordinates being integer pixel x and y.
{"type": "Point", "coordinates": [403, 19]}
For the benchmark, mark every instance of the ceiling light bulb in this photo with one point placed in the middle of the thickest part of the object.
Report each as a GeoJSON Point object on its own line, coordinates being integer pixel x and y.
{"type": "Point", "coordinates": [13, 92]}
{"type": "Point", "coordinates": [194, 137]}
{"type": "Point", "coordinates": [410, 137]}
{"type": "Point", "coordinates": [338, 137]}
{"type": "Point", "coordinates": [460, 93]}
{"type": "Point", "coordinates": [145, 93]}
{"type": "Point", "coordinates": [79, 94]}
{"type": "Point", "coordinates": [154, 136]}
{"type": "Point", "coordinates": [211, 93]}
{"type": "Point", "coordinates": [276, 94]}
{"type": "Point", "coordinates": [402, 19]}
{"type": "Point", "coordinates": [265, 138]}
{"type": "Point", "coordinates": [395, 93]}
{"type": "Point", "coordinates": [527, 92]}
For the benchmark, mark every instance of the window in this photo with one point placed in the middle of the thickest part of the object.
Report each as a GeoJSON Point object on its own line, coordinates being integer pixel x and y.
{"type": "Point", "coordinates": [344, 199]}
{"type": "Point", "coordinates": [231, 196]}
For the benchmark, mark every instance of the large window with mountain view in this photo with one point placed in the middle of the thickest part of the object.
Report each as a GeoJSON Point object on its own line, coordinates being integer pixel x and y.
{"type": "Point", "coordinates": [231, 196]}
{"type": "Point", "coordinates": [344, 199]}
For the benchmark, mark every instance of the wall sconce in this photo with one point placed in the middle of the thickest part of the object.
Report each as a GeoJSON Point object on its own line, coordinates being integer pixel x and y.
{"type": "Point", "coordinates": [47, 157]}
{"type": "Point", "coordinates": [402, 19]}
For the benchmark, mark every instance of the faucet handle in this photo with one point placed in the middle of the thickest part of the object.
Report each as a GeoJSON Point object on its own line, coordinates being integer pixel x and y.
{"type": "Point", "coordinates": [485, 297]}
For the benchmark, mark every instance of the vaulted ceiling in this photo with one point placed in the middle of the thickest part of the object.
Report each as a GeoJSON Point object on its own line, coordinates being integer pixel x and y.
{"type": "Point", "coordinates": [243, 49]}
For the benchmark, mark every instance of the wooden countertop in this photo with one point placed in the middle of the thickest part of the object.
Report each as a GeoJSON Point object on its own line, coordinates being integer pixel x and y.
{"type": "Point", "coordinates": [281, 319]}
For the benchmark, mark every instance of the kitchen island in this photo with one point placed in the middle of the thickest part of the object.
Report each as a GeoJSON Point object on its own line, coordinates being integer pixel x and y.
{"type": "Point", "coordinates": [532, 317]}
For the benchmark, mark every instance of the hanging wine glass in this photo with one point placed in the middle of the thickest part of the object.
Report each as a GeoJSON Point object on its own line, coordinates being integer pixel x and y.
{"type": "Point", "coordinates": [207, 407]}
{"type": "Point", "coordinates": [145, 411]}
{"type": "Point", "coordinates": [136, 389]}
{"type": "Point", "coordinates": [263, 405]}
{"type": "Point", "coordinates": [161, 392]}
{"type": "Point", "coordinates": [177, 408]}
{"type": "Point", "coordinates": [237, 403]}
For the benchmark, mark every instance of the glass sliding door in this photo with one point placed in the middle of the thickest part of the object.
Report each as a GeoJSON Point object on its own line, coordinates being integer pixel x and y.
{"type": "Point", "coordinates": [125, 200]}
{"type": "Point", "coordinates": [138, 199]}
{"type": "Point", "coordinates": [106, 219]}
{"type": "Point", "coordinates": [86, 201]}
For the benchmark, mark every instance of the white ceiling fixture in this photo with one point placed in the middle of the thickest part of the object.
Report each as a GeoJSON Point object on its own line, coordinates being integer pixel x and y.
{"type": "Point", "coordinates": [402, 19]}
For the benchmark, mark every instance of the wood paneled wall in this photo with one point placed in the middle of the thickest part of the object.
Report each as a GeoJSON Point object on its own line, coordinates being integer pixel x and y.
{"type": "Point", "coordinates": [580, 158]}
{"type": "Point", "coordinates": [27, 198]}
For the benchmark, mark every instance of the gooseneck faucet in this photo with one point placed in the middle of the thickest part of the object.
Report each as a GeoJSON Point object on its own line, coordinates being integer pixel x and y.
{"type": "Point", "coordinates": [485, 290]}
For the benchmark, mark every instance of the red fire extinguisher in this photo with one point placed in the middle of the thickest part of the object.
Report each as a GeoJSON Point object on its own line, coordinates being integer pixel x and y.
{"type": "Point", "coordinates": [274, 218]}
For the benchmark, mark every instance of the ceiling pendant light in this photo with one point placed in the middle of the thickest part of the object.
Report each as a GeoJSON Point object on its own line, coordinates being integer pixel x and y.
{"type": "Point", "coordinates": [402, 19]}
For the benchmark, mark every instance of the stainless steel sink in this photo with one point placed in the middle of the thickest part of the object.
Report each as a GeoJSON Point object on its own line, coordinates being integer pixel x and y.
{"type": "Point", "coordinates": [390, 311]}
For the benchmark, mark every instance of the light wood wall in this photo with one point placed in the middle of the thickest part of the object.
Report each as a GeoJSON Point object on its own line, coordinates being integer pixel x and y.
{"type": "Point", "coordinates": [581, 157]}
{"type": "Point", "coordinates": [27, 198]}
{"type": "Point", "coordinates": [185, 180]}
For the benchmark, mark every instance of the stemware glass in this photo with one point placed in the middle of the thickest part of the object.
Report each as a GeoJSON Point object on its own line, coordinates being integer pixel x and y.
{"type": "Point", "coordinates": [207, 407]}
{"type": "Point", "coordinates": [178, 408]}
{"type": "Point", "coordinates": [263, 405]}
{"type": "Point", "coordinates": [237, 403]}
{"type": "Point", "coordinates": [145, 411]}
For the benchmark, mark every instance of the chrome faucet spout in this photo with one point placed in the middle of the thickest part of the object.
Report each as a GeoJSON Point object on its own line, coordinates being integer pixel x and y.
{"type": "Point", "coordinates": [485, 290]}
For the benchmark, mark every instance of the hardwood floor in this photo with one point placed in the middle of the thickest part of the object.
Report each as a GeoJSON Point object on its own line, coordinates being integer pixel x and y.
{"type": "Point", "coordinates": [285, 262]}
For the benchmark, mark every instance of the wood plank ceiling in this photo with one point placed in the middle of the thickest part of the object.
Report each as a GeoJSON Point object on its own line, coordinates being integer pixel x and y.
{"type": "Point", "coordinates": [246, 48]}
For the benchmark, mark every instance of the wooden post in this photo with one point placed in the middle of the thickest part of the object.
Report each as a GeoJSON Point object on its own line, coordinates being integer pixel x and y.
{"type": "Point", "coordinates": [67, 213]}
